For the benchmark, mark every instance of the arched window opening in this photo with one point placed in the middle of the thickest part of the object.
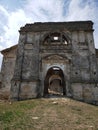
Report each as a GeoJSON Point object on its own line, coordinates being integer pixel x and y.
{"type": "Point", "coordinates": [55, 39]}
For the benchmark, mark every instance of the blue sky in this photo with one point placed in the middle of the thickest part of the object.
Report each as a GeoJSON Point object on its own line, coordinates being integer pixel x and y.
{"type": "Point", "coordinates": [16, 13]}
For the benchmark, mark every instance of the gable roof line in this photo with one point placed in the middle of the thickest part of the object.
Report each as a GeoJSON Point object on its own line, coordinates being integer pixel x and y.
{"type": "Point", "coordinates": [8, 49]}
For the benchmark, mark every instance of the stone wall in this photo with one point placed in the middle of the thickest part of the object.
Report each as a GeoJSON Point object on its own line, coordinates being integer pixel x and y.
{"type": "Point", "coordinates": [38, 51]}
{"type": "Point", "coordinates": [42, 46]}
{"type": "Point", "coordinates": [7, 70]}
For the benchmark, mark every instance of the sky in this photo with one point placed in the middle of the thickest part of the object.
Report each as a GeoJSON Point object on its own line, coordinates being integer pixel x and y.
{"type": "Point", "coordinates": [16, 13]}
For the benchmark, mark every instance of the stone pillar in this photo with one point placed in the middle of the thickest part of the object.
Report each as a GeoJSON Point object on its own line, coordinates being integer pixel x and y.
{"type": "Point", "coordinates": [76, 59]}
{"type": "Point", "coordinates": [16, 80]}
{"type": "Point", "coordinates": [92, 58]}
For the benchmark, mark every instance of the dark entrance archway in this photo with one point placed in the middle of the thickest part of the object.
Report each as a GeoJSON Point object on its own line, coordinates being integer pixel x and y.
{"type": "Point", "coordinates": [54, 82]}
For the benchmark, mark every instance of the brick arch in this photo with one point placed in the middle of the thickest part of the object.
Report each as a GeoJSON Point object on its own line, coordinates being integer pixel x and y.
{"type": "Point", "coordinates": [55, 33]}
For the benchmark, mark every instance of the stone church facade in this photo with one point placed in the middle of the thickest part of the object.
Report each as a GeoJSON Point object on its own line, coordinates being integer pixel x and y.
{"type": "Point", "coordinates": [52, 58]}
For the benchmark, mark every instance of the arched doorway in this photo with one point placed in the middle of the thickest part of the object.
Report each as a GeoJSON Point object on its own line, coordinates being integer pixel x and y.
{"type": "Point", "coordinates": [54, 82]}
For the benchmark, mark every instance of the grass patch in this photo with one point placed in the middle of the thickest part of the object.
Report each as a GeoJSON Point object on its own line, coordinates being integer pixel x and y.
{"type": "Point", "coordinates": [6, 116]}
{"type": "Point", "coordinates": [48, 114]}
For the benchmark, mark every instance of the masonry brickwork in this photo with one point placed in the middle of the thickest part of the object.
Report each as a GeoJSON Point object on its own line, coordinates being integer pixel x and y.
{"type": "Point", "coordinates": [54, 57]}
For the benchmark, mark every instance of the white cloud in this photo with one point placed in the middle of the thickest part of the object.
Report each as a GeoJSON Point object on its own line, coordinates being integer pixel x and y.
{"type": "Point", "coordinates": [43, 10]}
{"type": "Point", "coordinates": [15, 21]}
{"type": "Point", "coordinates": [78, 12]}
{"type": "Point", "coordinates": [4, 11]}
{"type": "Point", "coordinates": [88, 11]}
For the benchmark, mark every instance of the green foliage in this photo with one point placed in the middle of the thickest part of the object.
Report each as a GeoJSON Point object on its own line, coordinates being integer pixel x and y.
{"type": "Point", "coordinates": [6, 116]}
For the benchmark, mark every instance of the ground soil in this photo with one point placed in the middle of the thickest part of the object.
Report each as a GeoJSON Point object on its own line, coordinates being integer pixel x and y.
{"type": "Point", "coordinates": [56, 113]}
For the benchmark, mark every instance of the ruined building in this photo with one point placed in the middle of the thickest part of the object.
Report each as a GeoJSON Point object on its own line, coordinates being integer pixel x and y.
{"type": "Point", "coordinates": [52, 58]}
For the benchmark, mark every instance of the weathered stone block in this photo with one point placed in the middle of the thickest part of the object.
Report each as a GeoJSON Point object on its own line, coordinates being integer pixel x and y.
{"type": "Point", "coordinates": [87, 92]}
{"type": "Point", "coordinates": [28, 90]}
{"type": "Point", "coordinates": [95, 93]}
{"type": "Point", "coordinates": [77, 89]}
